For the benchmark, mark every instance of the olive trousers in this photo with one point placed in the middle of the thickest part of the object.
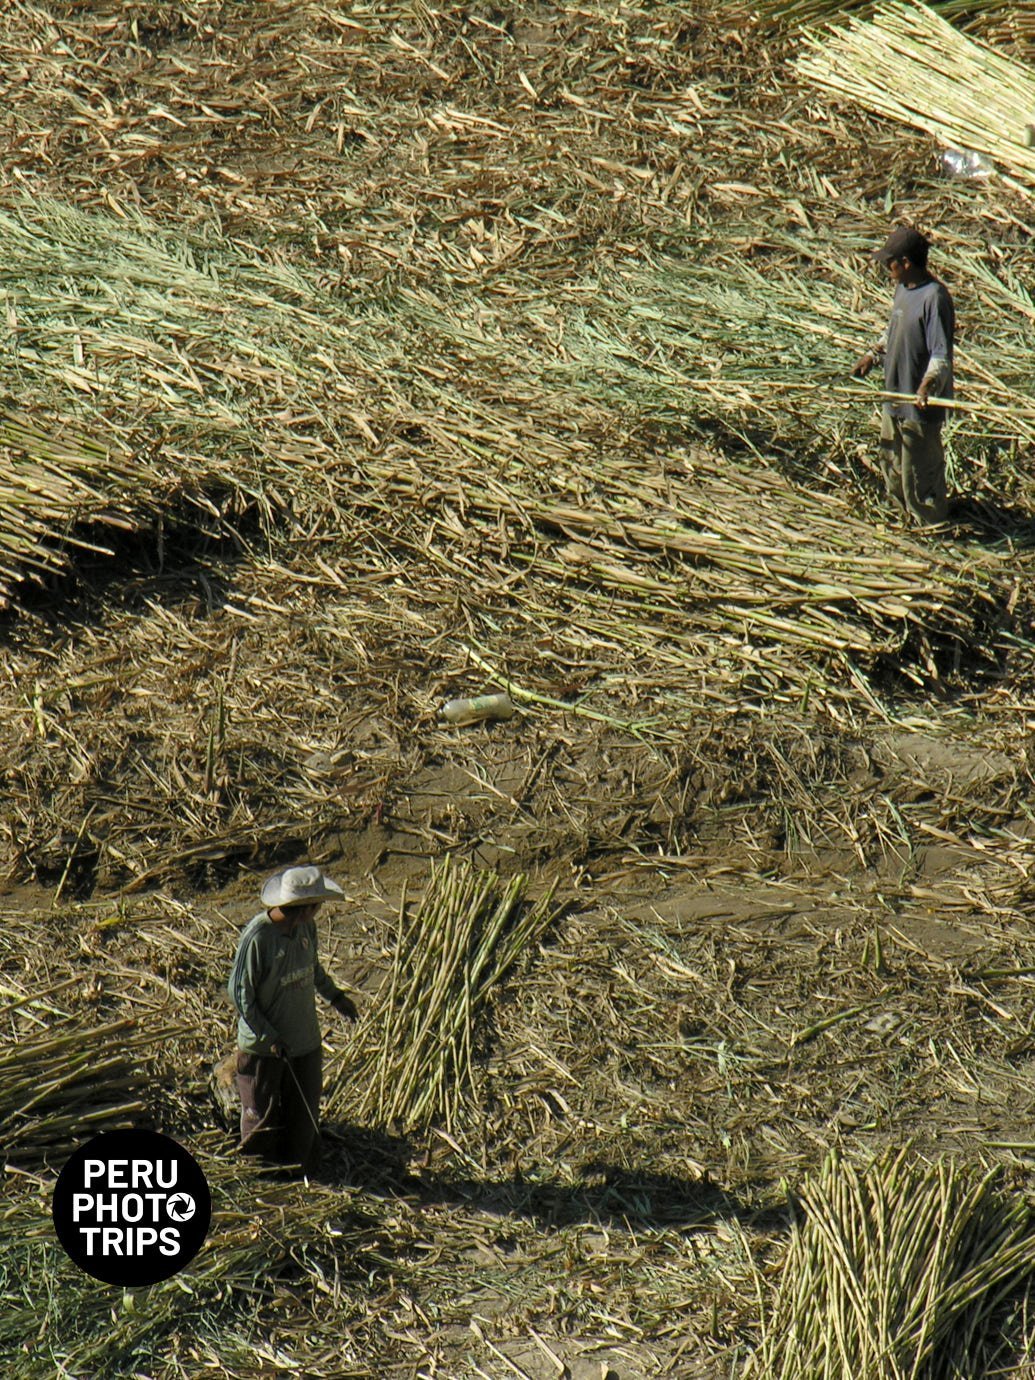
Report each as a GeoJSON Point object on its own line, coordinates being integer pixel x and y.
{"type": "Point", "coordinates": [912, 461]}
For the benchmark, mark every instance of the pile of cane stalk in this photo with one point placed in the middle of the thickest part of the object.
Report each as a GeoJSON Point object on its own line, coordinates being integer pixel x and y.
{"type": "Point", "coordinates": [909, 64]}
{"type": "Point", "coordinates": [901, 1271]}
{"type": "Point", "coordinates": [60, 1083]}
{"type": "Point", "coordinates": [413, 1057]}
{"type": "Point", "coordinates": [1003, 22]}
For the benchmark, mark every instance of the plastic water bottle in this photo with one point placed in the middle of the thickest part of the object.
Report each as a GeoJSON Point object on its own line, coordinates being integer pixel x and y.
{"type": "Point", "coordinates": [477, 710]}
{"type": "Point", "coordinates": [967, 164]}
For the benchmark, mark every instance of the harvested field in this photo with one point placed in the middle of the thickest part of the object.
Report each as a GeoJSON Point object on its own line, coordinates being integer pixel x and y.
{"type": "Point", "coordinates": [356, 357]}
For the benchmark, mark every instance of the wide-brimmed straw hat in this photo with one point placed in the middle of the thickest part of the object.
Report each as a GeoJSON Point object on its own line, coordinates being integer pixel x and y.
{"type": "Point", "coordinates": [298, 886]}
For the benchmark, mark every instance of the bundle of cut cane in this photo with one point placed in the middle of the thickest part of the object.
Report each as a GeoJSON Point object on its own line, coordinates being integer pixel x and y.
{"type": "Point", "coordinates": [412, 1061]}
{"type": "Point", "coordinates": [901, 1271]}
{"type": "Point", "coordinates": [1002, 22]}
{"type": "Point", "coordinates": [61, 1083]}
{"type": "Point", "coordinates": [908, 63]}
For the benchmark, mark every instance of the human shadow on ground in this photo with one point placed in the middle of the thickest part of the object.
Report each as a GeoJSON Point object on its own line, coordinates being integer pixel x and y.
{"type": "Point", "coordinates": [989, 523]}
{"type": "Point", "coordinates": [188, 558]}
{"type": "Point", "coordinates": [603, 1194]}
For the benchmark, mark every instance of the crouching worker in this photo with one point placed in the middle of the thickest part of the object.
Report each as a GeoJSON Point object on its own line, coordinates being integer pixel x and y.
{"type": "Point", "coordinates": [273, 982]}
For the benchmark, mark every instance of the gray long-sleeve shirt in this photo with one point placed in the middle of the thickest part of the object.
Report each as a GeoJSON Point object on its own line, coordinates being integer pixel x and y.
{"type": "Point", "coordinates": [918, 345]}
{"type": "Point", "coordinates": [272, 984]}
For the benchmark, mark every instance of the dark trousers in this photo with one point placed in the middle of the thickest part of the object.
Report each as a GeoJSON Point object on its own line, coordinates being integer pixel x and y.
{"type": "Point", "coordinates": [280, 1107]}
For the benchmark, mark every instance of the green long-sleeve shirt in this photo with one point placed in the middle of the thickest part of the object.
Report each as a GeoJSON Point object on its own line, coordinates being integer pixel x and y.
{"type": "Point", "coordinates": [272, 984]}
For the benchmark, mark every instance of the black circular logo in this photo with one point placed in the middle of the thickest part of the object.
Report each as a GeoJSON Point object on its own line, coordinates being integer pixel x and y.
{"type": "Point", "coordinates": [131, 1207]}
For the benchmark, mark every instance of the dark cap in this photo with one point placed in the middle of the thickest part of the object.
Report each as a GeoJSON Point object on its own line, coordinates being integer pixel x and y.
{"type": "Point", "coordinates": [904, 243]}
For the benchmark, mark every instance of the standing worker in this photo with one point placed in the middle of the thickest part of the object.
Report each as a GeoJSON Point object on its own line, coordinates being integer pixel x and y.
{"type": "Point", "coordinates": [273, 982]}
{"type": "Point", "coordinates": [917, 352]}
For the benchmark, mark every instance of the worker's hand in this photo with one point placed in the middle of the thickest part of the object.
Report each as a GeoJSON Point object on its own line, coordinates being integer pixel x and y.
{"type": "Point", "coordinates": [345, 1006]}
{"type": "Point", "coordinates": [921, 394]}
{"type": "Point", "coordinates": [863, 365]}
{"type": "Point", "coordinates": [278, 1050]}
